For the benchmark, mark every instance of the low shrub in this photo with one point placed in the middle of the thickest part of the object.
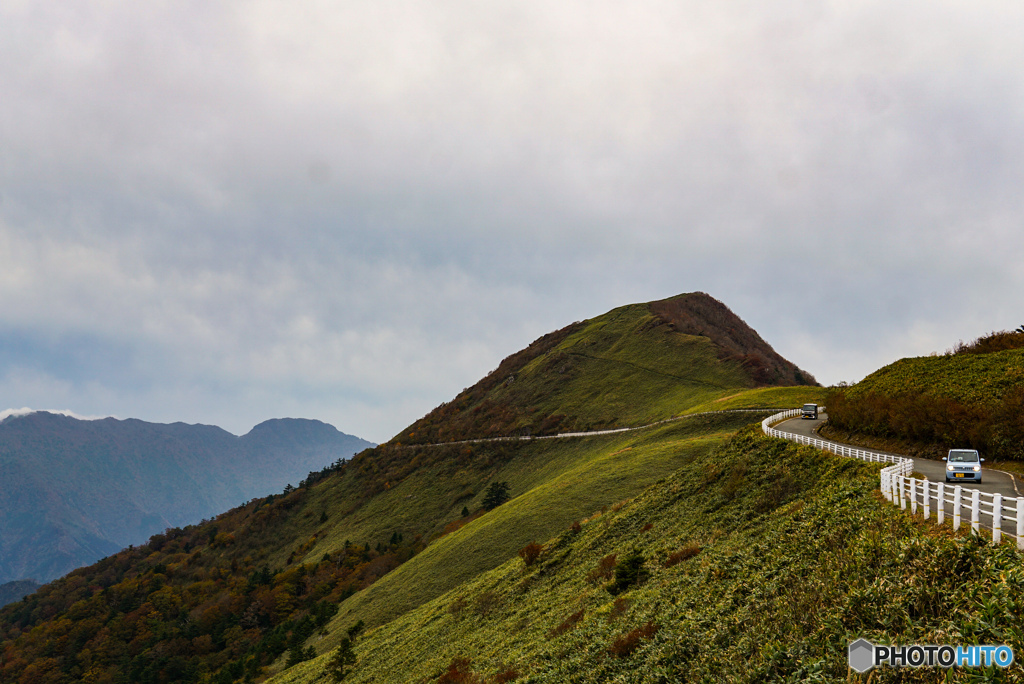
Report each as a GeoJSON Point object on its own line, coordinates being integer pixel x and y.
{"type": "Point", "coordinates": [629, 572]}
{"type": "Point", "coordinates": [627, 643]}
{"type": "Point", "coordinates": [459, 672]}
{"type": "Point", "coordinates": [458, 605]}
{"type": "Point", "coordinates": [568, 624]}
{"type": "Point", "coordinates": [619, 608]}
{"type": "Point", "coordinates": [530, 553]}
{"type": "Point", "coordinates": [487, 602]}
{"type": "Point", "coordinates": [676, 557]}
{"type": "Point", "coordinates": [603, 571]}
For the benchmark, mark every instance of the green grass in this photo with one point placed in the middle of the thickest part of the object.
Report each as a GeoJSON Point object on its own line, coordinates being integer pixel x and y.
{"type": "Point", "coordinates": [625, 368]}
{"type": "Point", "coordinates": [765, 397]}
{"type": "Point", "coordinates": [628, 370]}
{"type": "Point", "coordinates": [934, 403]}
{"type": "Point", "coordinates": [973, 379]}
{"type": "Point", "coordinates": [798, 557]}
{"type": "Point", "coordinates": [554, 483]}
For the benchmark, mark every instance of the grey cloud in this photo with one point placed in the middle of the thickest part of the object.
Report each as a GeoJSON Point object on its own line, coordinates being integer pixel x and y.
{"type": "Point", "coordinates": [351, 211]}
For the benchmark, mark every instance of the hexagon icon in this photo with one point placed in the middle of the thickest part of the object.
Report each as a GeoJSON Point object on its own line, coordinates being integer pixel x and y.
{"type": "Point", "coordinates": [862, 654]}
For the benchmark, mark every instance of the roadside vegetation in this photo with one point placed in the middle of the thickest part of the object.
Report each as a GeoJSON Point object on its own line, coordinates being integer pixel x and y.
{"type": "Point", "coordinates": [970, 397]}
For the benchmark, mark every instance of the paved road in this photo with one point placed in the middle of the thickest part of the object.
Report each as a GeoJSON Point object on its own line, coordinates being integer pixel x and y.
{"type": "Point", "coordinates": [992, 480]}
{"type": "Point", "coordinates": [591, 433]}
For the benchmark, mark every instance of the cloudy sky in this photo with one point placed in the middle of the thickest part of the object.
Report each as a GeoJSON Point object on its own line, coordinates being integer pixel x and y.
{"type": "Point", "coordinates": [224, 212]}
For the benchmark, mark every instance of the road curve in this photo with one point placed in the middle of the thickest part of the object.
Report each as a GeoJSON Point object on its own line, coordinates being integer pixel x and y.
{"type": "Point", "coordinates": [993, 481]}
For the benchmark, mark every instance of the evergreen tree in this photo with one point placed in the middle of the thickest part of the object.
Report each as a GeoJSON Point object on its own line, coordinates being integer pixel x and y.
{"type": "Point", "coordinates": [343, 659]}
{"type": "Point", "coordinates": [296, 655]}
{"type": "Point", "coordinates": [355, 630]}
{"type": "Point", "coordinates": [465, 512]}
{"type": "Point", "coordinates": [628, 572]}
{"type": "Point", "coordinates": [497, 494]}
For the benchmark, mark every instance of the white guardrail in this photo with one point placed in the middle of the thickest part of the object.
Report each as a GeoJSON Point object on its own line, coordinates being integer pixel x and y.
{"type": "Point", "coordinates": [900, 489]}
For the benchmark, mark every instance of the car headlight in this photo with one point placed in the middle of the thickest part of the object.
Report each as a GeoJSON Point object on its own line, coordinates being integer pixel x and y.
{"type": "Point", "coordinates": [977, 468]}
{"type": "Point", "coordinates": [949, 467]}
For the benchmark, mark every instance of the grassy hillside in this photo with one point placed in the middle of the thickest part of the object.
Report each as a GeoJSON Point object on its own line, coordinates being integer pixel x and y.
{"type": "Point", "coordinates": [968, 399]}
{"type": "Point", "coordinates": [554, 483]}
{"type": "Point", "coordinates": [634, 365]}
{"type": "Point", "coordinates": [970, 379]}
{"type": "Point", "coordinates": [765, 397]}
{"type": "Point", "coordinates": [764, 560]}
{"type": "Point", "coordinates": [247, 593]}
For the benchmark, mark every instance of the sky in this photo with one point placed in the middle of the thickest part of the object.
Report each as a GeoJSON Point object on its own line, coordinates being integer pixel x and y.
{"type": "Point", "coordinates": [224, 212]}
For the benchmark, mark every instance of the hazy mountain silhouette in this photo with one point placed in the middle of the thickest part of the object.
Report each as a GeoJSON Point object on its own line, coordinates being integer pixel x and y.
{"type": "Point", "coordinates": [74, 491]}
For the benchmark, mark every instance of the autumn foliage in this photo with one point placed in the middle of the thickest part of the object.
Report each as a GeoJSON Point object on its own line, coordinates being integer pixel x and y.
{"type": "Point", "coordinates": [192, 605]}
{"type": "Point", "coordinates": [997, 430]}
{"type": "Point", "coordinates": [530, 553]}
{"type": "Point", "coordinates": [627, 643]}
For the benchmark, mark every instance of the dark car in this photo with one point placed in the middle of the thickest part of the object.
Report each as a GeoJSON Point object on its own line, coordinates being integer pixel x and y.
{"type": "Point", "coordinates": [963, 465]}
{"type": "Point", "coordinates": [809, 411]}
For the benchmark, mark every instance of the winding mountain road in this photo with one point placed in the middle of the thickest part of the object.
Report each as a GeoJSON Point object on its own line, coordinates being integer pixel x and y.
{"type": "Point", "coordinates": [993, 481]}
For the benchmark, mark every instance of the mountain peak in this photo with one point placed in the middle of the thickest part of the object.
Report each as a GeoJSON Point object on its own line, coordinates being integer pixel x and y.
{"type": "Point", "coordinates": [636, 364]}
{"type": "Point", "coordinates": [700, 314]}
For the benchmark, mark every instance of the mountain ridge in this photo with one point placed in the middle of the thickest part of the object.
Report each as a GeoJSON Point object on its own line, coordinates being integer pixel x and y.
{"type": "Point", "coordinates": [77, 490]}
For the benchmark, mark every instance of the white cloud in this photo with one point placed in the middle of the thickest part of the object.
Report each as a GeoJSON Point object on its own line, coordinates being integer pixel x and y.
{"type": "Point", "coordinates": [25, 411]}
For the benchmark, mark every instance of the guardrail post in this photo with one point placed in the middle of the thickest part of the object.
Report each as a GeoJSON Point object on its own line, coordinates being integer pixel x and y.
{"type": "Point", "coordinates": [903, 499]}
{"type": "Point", "coordinates": [997, 518]}
{"type": "Point", "coordinates": [886, 486]}
{"type": "Point", "coordinates": [1020, 523]}
{"type": "Point", "coordinates": [957, 500]}
{"type": "Point", "coordinates": [940, 503]}
{"type": "Point", "coordinates": [927, 487]}
{"type": "Point", "coordinates": [975, 511]}
{"type": "Point", "coordinates": [913, 496]}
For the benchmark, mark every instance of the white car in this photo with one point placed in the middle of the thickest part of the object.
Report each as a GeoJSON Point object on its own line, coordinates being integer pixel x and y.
{"type": "Point", "coordinates": [963, 465]}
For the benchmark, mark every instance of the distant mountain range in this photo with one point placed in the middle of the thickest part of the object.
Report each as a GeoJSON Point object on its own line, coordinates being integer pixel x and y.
{"type": "Point", "coordinates": [13, 591]}
{"type": "Point", "coordinates": [73, 491]}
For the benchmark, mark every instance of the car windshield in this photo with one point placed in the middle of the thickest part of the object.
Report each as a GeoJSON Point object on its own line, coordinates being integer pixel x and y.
{"type": "Point", "coordinates": [963, 456]}
{"type": "Point", "coordinates": [809, 407]}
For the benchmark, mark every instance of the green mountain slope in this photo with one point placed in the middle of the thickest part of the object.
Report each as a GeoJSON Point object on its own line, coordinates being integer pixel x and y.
{"type": "Point", "coordinates": [764, 559]}
{"type": "Point", "coordinates": [967, 399]}
{"type": "Point", "coordinates": [555, 483]}
{"type": "Point", "coordinates": [245, 594]}
{"type": "Point", "coordinates": [634, 365]}
{"type": "Point", "coordinates": [982, 380]}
